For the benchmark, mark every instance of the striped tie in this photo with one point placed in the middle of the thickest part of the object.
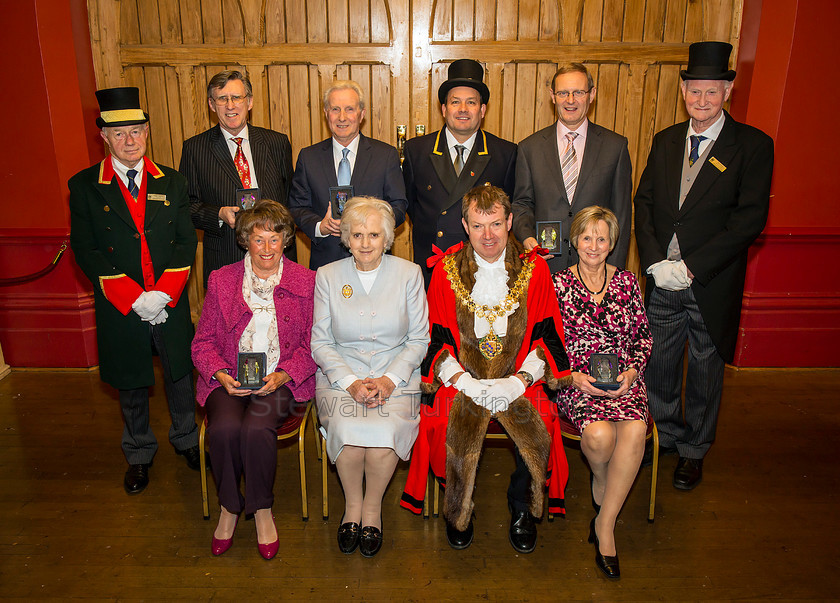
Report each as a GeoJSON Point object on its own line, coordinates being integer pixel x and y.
{"type": "Point", "coordinates": [569, 166]}
{"type": "Point", "coordinates": [132, 185]}
{"type": "Point", "coordinates": [694, 153]}
{"type": "Point", "coordinates": [459, 158]}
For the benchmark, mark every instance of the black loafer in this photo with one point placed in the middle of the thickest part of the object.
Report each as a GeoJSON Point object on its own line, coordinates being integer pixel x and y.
{"type": "Point", "coordinates": [192, 457]}
{"type": "Point", "coordinates": [688, 474]}
{"type": "Point", "coordinates": [608, 564]}
{"type": "Point", "coordinates": [348, 537]}
{"type": "Point", "coordinates": [523, 532]}
{"type": "Point", "coordinates": [457, 539]}
{"type": "Point", "coordinates": [370, 542]}
{"type": "Point", "coordinates": [136, 478]}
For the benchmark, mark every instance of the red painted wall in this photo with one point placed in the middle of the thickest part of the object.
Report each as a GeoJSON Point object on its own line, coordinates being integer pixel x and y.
{"type": "Point", "coordinates": [48, 322]}
{"type": "Point", "coordinates": [791, 313]}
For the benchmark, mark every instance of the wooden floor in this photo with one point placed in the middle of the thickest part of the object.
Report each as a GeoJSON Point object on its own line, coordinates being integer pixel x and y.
{"type": "Point", "coordinates": [762, 525]}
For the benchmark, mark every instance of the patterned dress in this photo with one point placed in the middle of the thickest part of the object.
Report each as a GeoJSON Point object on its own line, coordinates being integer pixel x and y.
{"type": "Point", "coordinates": [618, 325]}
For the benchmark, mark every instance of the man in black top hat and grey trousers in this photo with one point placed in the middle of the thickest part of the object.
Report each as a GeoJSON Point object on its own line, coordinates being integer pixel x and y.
{"type": "Point", "coordinates": [441, 167]}
{"type": "Point", "coordinates": [131, 235]}
{"type": "Point", "coordinates": [702, 200]}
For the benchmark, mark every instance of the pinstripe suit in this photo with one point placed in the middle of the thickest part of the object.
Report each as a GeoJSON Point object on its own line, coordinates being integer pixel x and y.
{"type": "Point", "coordinates": [722, 214]}
{"type": "Point", "coordinates": [207, 164]}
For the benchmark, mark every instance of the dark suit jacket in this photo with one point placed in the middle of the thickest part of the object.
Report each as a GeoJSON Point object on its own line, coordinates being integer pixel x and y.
{"type": "Point", "coordinates": [208, 166]}
{"type": "Point", "coordinates": [106, 243]}
{"type": "Point", "coordinates": [435, 191]}
{"type": "Point", "coordinates": [604, 179]}
{"type": "Point", "coordinates": [375, 174]}
{"type": "Point", "coordinates": [722, 215]}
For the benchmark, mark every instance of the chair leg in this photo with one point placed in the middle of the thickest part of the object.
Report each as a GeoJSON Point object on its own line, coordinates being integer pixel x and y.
{"type": "Point", "coordinates": [426, 499]}
{"type": "Point", "coordinates": [436, 506]}
{"type": "Point", "coordinates": [302, 459]}
{"type": "Point", "coordinates": [315, 431]}
{"type": "Point", "coordinates": [654, 472]}
{"type": "Point", "coordinates": [324, 470]}
{"type": "Point", "coordinates": [203, 463]}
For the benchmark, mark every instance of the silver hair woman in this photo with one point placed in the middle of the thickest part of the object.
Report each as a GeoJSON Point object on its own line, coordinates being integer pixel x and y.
{"type": "Point", "coordinates": [370, 332]}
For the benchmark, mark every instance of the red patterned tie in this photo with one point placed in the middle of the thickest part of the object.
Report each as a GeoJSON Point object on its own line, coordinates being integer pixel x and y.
{"type": "Point", "coordinates": [241, 164]}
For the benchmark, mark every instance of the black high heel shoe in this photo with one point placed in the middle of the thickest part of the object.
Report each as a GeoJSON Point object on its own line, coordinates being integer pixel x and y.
{"type": "Point", "coordinates": [595, 505]}
{"type": "Point", "coordinates": [607, 564]}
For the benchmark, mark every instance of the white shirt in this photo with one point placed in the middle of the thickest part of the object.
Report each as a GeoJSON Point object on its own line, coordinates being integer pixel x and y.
{"type": "Point", "coordinates": [338, 153]}
{"type": "Point", "coordinates": [246, 150]}
{"type": "Point", "coordinates": [451, 142]}
{"type": "Point", "coordinates": [122, 171]}
{"type": "Point", "coordinates": [711, 133]}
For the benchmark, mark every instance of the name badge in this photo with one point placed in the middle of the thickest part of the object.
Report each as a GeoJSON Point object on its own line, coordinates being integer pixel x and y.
{"type": "Point", "coordinates": [717, 164]}
{"type": "Point", "coordinates": [155, 197]}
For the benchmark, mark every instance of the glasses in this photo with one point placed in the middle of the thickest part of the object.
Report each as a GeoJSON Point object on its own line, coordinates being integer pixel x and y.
{"type": "Point", "coordinates": [221, 101]}
{"type": "Point", "coordinates": [576, 94]}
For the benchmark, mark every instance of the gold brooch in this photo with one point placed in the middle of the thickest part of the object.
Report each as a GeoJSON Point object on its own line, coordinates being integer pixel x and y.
{"type": "Point", "coordinates": [347, 291]}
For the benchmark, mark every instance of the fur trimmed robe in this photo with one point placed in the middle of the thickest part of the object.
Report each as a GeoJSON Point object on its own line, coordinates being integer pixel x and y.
{"type": "Point", "coordinates": [452, 426]}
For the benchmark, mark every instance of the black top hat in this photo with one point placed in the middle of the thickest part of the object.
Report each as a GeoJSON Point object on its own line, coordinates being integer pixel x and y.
{"type": "Point", "coordinates": [120, 107]}
{"type": "Point", "coordinates": [465, 72]}
{"type": "Point", "coordinates": [708, 61]}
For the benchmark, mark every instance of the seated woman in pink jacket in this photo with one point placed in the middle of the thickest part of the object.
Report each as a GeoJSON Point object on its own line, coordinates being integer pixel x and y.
{"type": "Point", "coordinates": [262, 304]}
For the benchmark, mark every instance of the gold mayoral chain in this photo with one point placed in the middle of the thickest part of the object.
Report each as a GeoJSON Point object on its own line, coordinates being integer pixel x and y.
{"type": "Point", "coordinates": [490, 345]}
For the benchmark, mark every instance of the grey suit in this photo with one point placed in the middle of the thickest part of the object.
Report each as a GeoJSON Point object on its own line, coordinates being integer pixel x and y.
{"type": "Point", "coordinates": [368, 335]}
{"type": "Point", "coordinates": [604, 179]}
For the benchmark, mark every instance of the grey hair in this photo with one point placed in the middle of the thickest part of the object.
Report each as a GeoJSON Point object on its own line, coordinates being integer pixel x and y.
{"type": "Point", "coordinates": [221, 79]}
{"type": "Point", "coordinates": [358, 209]}
{"type": "Point", "coordinates": [344, 85]}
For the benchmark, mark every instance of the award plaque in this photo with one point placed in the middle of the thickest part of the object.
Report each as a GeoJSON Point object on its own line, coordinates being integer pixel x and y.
{"type": "Point", "coordinates": [549, 236]}
{"type": "Point", "coordinates": [246, 198]}
{"type": "Point", "coordinates": [250, 370]}
{"type": "Point", "coordinates": [339, 195]}
{"type": "Point", "coordinates": [604, 367]}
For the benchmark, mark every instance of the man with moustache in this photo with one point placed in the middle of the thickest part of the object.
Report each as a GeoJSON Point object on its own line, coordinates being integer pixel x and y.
{"type": "Point", "coordinates": [496, 339]}
{"type": "Point", "coordinates": [347, 158]}
{"type": "Point", "coordinates": [702, 200]}
{"type": "Point", "coordinates": [571, 164]}
{"type": "Point", "coordinates": [441, 167]}
{"type": "Point", "coordinates": [229, 156]}
{"type": "Point", "coordinates": [131, 235]}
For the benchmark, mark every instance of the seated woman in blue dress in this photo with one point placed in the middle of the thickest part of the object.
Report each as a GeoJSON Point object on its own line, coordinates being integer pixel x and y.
{"type": "Point", "coordinates": [370, 333]}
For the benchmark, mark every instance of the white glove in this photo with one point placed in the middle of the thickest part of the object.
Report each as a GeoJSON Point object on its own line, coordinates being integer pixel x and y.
{"type": "Point", "coordinates": [471, 386]}
{"type": "Point", "coordinates": [149, 304]}
{"type": "Point", "coordinates": [160, 318]}
{"type": "Point", "coordinates": [670, 275]}
{"type": "Point", "coordinates": [501, 393]}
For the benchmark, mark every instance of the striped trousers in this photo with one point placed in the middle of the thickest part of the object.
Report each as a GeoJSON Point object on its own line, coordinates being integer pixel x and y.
{"type": "Point", "coordinates": [674, 318]}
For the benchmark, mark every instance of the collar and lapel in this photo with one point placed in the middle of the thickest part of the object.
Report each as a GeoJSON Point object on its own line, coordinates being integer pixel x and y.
{"type": "Point", "coordinates": [109, 189]}
{"type": "Point", "coordinates": [326, 163]}
{"type": "Point", "coordinates": [363, 158]}
{"type": "Point", "coordinates": [456, 185]}
{"type": "Point", "coordinates": [591, 152]}
{"type": "Point", "coordinates": [551, 152]}
{"type": "Point", "coordinates": [219, 148]}
{"type": "Point", "coordinates": [723, 150]}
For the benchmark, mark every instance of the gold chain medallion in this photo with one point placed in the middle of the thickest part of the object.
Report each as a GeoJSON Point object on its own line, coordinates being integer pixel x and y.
{"type": "Point", "coordinates": [490, 345]}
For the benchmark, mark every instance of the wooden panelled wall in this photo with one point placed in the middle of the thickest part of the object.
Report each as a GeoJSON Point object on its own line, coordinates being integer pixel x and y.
{"type": "Point", "coordinates": [399, 51]}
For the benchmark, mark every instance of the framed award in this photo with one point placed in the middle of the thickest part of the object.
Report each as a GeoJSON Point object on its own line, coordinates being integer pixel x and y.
{"type": "Point", "coordinates": [550, 236]}
{"type": "Point", "coordinates": [250, 369]}
{"type": "Point", "coordinates": [339, 195]}
{"type": "Point", "coordinates": [604, 367]}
